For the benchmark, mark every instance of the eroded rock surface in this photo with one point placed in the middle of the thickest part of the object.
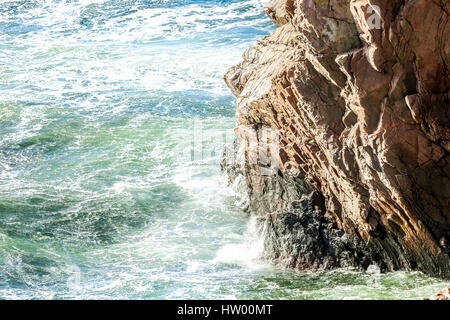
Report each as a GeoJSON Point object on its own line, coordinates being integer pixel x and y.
{"type": "Point", "coordinates": [444, 294]}
{"type": "Point", "coordinates": [358, 93]}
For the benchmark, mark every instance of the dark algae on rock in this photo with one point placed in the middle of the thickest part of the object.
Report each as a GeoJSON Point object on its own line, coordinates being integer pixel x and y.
{"type": "Point", "coordinates": [356, 95]}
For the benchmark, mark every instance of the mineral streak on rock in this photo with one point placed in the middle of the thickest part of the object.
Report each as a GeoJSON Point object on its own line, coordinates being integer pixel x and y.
{"type": "Point", "coordinates": [358, 91]}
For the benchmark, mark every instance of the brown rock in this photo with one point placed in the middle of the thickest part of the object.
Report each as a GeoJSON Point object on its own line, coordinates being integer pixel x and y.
{"type": "Point", "coordinates": [362, 114]}
{"type": "Point", "coordinates": [444, 294]}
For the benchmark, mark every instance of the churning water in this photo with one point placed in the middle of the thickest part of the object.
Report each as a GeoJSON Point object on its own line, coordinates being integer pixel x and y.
{"type": "Point", "coordinates": [113, 115]}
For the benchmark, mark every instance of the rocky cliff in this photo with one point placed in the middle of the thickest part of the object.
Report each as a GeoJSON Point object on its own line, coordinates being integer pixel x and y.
{"type": "Point", "coordinates": [343, 133]}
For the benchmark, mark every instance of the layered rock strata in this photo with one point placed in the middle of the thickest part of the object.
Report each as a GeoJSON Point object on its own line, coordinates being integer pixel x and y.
{"type": "Point", "coordinates": [355, 97]}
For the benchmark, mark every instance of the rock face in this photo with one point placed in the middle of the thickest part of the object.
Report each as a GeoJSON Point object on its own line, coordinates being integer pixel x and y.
{"type": "Point", "coordinates": [444, 294]}
{"type": "Point", "coordinates": [349, 98]}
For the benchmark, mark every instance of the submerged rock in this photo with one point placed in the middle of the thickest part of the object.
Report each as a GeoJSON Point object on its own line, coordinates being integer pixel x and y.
{"type": "Point", "coordinates": [349, 98]}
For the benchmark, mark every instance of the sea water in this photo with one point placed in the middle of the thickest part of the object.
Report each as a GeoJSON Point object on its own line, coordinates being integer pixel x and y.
{"type": "Point", "coordinates": [113, 115]}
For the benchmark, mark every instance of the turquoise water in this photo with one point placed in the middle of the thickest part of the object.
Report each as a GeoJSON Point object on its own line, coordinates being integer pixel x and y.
{"type": "Point", "coordinates": [113, 115]}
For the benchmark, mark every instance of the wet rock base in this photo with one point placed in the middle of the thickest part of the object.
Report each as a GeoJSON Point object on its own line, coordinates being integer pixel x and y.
{"type": "Point", "coordinates": [298, 233]}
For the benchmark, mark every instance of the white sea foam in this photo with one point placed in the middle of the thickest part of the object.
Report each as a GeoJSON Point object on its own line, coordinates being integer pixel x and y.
{"type": "Point", "coordinates": [82, 65]}
{"type": "Point", "coordinates": [248, 252]}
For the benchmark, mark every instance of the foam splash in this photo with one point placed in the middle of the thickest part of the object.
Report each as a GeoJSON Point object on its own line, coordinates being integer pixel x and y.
{"type": "Point", "coordinates": [248, 252]}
